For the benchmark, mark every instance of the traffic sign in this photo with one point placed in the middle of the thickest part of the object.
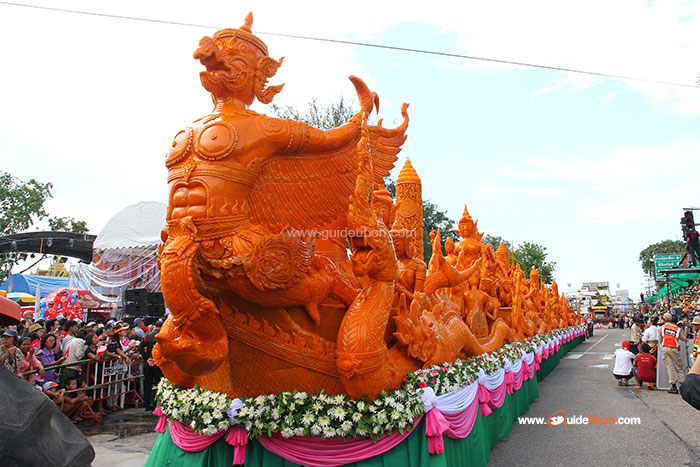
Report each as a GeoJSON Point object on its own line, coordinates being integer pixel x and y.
{"type": "Point", "coordinates": [665, 262]}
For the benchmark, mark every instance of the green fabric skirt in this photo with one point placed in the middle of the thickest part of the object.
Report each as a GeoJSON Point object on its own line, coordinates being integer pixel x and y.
{"type": "Point", "coordinates": [474, 450]}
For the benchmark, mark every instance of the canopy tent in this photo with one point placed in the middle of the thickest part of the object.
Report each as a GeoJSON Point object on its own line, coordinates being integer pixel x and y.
{"type": "Point", "coordinates": [676, 282]}
{"type": "Point", "coordinates": [27, 283]}
{"type": "Point", "coordinates": [134, 229]}
{"type": "Point", "coordinates": [125, 253]}
{"type": "Point", "coordinates": [10, 312]}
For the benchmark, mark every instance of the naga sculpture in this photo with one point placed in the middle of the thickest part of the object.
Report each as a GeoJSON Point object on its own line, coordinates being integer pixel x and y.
{"type": "Point", "coordinates": [260, 302]}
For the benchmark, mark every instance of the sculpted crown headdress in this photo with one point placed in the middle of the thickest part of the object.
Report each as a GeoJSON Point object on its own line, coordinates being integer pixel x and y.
{"type": "Point", "coordinates": [466, 217]}
{"type": "Point", "coordinates": [244, 33]}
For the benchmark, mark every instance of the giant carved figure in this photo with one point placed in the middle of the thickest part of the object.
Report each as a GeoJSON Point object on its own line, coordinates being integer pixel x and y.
{"type": "Point", "coordinates": [258, 303]}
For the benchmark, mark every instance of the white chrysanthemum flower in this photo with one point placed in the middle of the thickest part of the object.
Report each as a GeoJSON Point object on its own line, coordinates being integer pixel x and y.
{"type": "Point", "coordinates": [346, 425]}
{"type": "Point", "coordinates": [315, 430]}
{"type": "Point", "coordinates": [258, 424]}
{"type": "Point", "coordinates": [207, 418]}
{"type": "Point", "coordinates": [193, 424]}
{"type": "Point", "coordinates": [338, 413]}
{"type": "Point", "coordinates": [273, 426]}
{"type": "Point", "coordinates": [277, 413]}
{"type": "Point", "coordinates": [299, 431]}
{"type": "Point", "coordinates": [217, 413]}
{"type": "Point", "coordinates": [402, 424]}
{"type": "Point", "coordinates": [260, 400]}
{"type": "Point", "coordinates": [210, 430]}
{"type": "Point", "coordinates": [289, 419]}
{"type": "Point", "coordinates": [356, 417]}
{"type": "Point", "coordinates": [361, 432]}
{"type": "Point", "coordinates": [339, 399]}
{"type": "Point", "coordinates": [361, 406]}
{"type": "Point", "coordinates": [395, 415]}
{"type": "Point", "coordinates": [375, 430]}
{"type": "Point", "coordinates": [300, 396]}
{"type": "Point", "coordinates": [324, 421]}
{"type": "Point", "coordinates": [308, 418]}
{"type": "Point", "coordinates": [223, 425]}
{"type": "Point", "coordinates": [287, 433]}
{"type": "Point", "coordinates": [328, 432]}
{"type": "Point", "coordinates": [317, 406]}
{"type": "Point", "coordinates": [390, 401]}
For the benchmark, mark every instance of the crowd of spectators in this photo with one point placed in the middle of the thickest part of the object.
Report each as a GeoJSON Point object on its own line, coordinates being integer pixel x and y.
{"type": "Point", "coordinates": [656, 333]}
{"type": "Point", "coordinates": [54, 357]}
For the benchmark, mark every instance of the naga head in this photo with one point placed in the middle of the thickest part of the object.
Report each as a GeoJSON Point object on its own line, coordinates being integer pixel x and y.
{"type": "Point", "coordinates": [238, 65]}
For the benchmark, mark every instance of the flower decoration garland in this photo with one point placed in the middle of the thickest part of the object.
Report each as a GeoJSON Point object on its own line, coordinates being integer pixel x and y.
{"type": "Point", "coordinates": [330, 416]}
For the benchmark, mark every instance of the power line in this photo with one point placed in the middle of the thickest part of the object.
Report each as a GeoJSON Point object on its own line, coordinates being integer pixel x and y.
{"type": "Point", "coordinates": [366, 44]}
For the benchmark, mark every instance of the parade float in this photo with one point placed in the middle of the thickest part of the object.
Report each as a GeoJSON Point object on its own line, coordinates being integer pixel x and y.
{"type": "Point", "coordinates": [281, 347]}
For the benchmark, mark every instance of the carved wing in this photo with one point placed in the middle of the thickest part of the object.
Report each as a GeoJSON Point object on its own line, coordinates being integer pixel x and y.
{"type": "Point", "coordinates": [307, 191]}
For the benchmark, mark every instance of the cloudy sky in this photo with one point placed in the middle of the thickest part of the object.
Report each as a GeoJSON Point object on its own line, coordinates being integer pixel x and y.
{"type": "Point", "coordinates": [593, 168]}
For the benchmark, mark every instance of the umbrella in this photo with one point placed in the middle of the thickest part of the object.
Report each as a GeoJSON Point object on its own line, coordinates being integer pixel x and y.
{"type": "Point", "coordinates": [9, 312]}
{"type": "Point", "coordinates": [22, 298]}
{"type": "Point", "coordinates": [85, 298]}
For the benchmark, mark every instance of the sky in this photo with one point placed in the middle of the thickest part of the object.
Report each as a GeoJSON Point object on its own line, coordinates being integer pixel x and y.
{"type": "Point", "coordinates": [593, 168]}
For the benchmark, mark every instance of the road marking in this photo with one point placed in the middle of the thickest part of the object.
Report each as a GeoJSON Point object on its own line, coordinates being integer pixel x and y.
{"type": "Point", "coordinates": [574, 356]}
{"type": "Point", "coordinates": [602, 365]}
{"type": "Point", "coordinates": [607, 357]}
{"type": "Point", "coordinates": [599, 341]}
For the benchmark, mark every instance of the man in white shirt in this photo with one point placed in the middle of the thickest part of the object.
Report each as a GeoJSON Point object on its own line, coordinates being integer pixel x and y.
{"type": "Point", "coordinates": [623, 364]}
{"type": "Point", "coordinates": [651, 336]}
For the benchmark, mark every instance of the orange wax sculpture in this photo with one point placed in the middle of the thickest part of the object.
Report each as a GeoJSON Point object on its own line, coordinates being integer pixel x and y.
{"type": "Point", "coordinates": [260, 303]}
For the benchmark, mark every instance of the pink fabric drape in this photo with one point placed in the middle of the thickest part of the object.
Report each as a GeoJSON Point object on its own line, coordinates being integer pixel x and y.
{"type": "Point", "coordinates": [492, 399]}
{"type": "Point", "coordinates": [461, 423]}
{"type": "Point", "coordinates": [188, 440]}
{"type": "Point", "coordinates": [435, 426]}
{"type": "Point", "coordinates": [238, 438]}
{"type": "Point", "coordinates": [160, 427]}
{"type": "Point", "coordinates": [317, 452]}
{"type": "Point", "coordinates": [483, 395]}
{"type": "Point", "coordinates": [508, 381]}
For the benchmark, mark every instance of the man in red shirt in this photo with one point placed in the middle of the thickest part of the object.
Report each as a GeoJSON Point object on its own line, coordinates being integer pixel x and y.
{"type": "Point", "coordinates": [646, 368]}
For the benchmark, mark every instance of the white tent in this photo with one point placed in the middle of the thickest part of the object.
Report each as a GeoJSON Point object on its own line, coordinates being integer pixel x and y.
{"type": "Point", "coordinates": [124, 253]}
{"type": "Point", "coordinates": [135, 228]}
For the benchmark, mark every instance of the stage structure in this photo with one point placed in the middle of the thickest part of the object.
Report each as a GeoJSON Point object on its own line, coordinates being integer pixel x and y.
{"type": "Point", "coordinates": [269, 314]}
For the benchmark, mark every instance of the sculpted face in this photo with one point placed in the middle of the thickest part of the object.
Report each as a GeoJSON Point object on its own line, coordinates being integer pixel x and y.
{"type": "Point", "coordinates": [230, 65]}
{"type": "Point", "coordinates": [466, 228]}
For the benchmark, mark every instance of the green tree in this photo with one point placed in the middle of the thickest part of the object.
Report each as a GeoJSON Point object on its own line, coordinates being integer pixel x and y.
{"type": "Point", "coordinates": [21, 205]}
{"type": "Point", "coordinates": [433, 218]}
{"type": "Point", "coordinates": [495, 242]}
{"type": "Point", "coordinates": [67, 224]}
{"type": "Point", "coordinates": [531, 254]}
{"type": "Point", "coordinates": [317, 115]}
{"type": "Point", "coordinates": [666, 247]}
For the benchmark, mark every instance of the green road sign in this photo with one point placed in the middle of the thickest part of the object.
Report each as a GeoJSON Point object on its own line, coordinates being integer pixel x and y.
{"type": "Point", "coordinates": [662, 262]}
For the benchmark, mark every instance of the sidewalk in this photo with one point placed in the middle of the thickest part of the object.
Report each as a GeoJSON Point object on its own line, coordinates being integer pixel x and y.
{"type": "Point", "coordinates": [123, 438]}
{"type": "Point", "coordinates": [583, 385]}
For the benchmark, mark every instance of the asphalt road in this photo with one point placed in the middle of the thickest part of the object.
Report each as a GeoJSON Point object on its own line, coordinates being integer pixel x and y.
{"type": "Point", "coordinates": [583, 384]}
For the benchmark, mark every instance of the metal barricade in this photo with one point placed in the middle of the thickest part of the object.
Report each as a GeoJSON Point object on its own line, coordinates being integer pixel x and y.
{"type": "Point", "coordinates": [115, 382]}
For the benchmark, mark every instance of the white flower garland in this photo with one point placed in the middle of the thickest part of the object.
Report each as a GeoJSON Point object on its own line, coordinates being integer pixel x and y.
{"type": "Point", "coordinates": [301, 414]}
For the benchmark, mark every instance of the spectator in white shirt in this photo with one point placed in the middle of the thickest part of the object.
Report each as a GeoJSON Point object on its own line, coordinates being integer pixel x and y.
{"type": "Point", "coordinates": [623, 364]}
{"type": "Point", "coordinates": [651, 336]}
